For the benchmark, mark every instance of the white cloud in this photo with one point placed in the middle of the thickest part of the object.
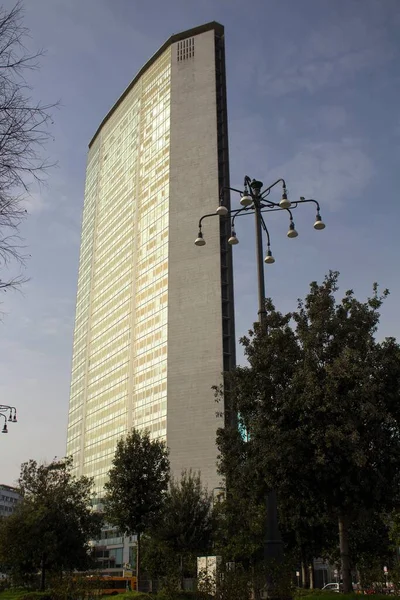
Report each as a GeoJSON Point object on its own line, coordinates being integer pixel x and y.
{"type": "Point", "coordinates": [328, 57]}
{"type": "Point", "coordinates": [330, 171]}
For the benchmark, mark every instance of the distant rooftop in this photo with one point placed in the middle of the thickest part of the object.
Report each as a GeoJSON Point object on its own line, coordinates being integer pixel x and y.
{"type": "Point", "coordinates": [8, 488]}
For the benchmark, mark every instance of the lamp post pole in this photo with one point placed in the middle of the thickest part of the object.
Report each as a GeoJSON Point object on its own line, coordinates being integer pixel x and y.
{"type": "Point", "coordinates": [260, 266]}
{"type": "Point", "coordinates": [256, 200]}
{"type": "Point", "coordinates": [273, 545]}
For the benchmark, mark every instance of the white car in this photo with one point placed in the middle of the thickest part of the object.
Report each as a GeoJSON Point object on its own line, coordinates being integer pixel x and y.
{"type": "Point", "coordinates": [331, 587]}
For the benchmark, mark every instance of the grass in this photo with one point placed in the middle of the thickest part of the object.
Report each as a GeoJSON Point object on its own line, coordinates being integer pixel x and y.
{"type": "Point", "coordinates": [12, 594]}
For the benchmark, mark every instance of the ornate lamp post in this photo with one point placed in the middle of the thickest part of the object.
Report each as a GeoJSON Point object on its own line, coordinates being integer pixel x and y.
{"type": "Point", "coordinates": [9, 413]}
{"type": "Point", "coordinates": [255, 201]}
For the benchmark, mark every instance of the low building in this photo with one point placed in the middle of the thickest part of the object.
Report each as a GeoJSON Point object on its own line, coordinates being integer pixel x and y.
{"type": "Point", "coordinates": [115, 553]}
{"type": "Point", "coordinates": [9, 498]}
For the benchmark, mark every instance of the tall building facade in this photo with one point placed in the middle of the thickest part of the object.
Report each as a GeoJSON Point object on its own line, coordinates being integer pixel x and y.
{"type": "Point", "coordinates": [154, 324]}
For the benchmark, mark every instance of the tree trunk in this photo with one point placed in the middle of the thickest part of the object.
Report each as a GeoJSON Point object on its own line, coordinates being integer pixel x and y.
{"type": "Point", "coordinates": [42, 574]}
{"type": "Point", "coordinates": [181, 570]}
{"type": "Point", "coordinates": [303, 573]}
{"type": "Point", "coordinates": [344, 553]}
{"type": "Point", "coordinates": [311, 575]}
{"type": "Point", "coordinates": [138, 557]}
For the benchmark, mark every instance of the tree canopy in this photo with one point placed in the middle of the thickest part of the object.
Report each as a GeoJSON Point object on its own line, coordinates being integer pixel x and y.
{"type": "Point", "coordinates": [320, 401]}
{"type": "Point", "coordinates": [137, 486]}
{"type": "Point", "coordinates": [186, 524]}
{"type": "Point", "coordinates": [51, 528]}
{"type": "Point", "coordinates": [185, 528]}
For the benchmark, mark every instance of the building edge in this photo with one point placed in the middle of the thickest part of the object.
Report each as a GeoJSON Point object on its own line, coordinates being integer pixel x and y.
{"type": "Point", "coordinates": [176, 37]}
{"type": "Point", "coordinates": [227, 291]}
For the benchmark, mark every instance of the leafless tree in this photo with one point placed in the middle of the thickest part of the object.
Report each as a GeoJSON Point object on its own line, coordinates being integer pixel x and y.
{"type": "Point", "coordinates": [24, 131]}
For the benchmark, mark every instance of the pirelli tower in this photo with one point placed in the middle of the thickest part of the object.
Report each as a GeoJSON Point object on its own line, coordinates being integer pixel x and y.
{"type": "Point", "coordinates": [154, 324]}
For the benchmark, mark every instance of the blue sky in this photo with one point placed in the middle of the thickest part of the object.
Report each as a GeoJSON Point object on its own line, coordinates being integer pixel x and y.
{"type": "Point", "coordinates": [313, 96]}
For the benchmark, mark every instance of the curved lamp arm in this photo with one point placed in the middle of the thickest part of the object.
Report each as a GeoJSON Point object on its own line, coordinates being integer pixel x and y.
{"type": "Point", "coordinates": [305, 200]}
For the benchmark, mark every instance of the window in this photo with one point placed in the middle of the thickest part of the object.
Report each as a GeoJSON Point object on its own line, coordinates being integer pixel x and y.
{"type": "Point", "coordinates": [185, 49]}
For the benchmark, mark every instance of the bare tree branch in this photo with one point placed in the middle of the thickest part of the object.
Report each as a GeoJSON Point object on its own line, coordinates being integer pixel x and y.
{"type": "Point", "coordinates": [24, 131]}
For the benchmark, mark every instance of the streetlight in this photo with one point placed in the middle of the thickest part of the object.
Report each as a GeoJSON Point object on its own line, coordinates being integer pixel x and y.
{"type": "Point", "coordinates": [255, 200]}
{"type": "Point", "coordinates": [11, 411]}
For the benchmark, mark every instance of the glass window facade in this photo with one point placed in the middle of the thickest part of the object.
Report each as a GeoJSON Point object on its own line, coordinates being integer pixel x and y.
{"type": "Point", "coordinates": [149, 303]}
{"type": "Point", "coordinates": [119, 368]}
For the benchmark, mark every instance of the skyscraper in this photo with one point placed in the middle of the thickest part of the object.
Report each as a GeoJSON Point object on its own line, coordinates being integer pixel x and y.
{"type": "Point", "coordinates": [154, 322]}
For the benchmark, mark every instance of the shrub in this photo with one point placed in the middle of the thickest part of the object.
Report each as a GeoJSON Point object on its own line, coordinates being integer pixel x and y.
{"type": "Point", "coordinates": [135, 596]}
{"type": "Point", "coordinates": [319, 595]}
{"type": "Point", "coordinates": [302, 592]}
{"type": "Point", "coordinates": [36, 596]}
{"type": "Point", "coordinates": [182, 595]}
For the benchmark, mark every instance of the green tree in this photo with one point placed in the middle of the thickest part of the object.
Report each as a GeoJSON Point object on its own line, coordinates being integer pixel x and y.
{"type": "Point", "coordinates": [51, 528]}
{"type": "Point", "coordinates": [240, 517]}
{"type": "Point", "coordinates": [137, 486]}
{"type": "Point", "coordinates": [370, 542]}
{"type": "Point", "coordinates": [321, 401]}
{"type": "Point", "coordinates": [307, 535]}
{"type": "Point", "coordinates": [186, 525]}
{"type": "Point", "coordinates": [158, 562]}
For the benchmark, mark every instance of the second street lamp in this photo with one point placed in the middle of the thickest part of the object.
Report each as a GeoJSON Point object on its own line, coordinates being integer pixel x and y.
{"type": "Point", "coordinates": [9, 414]}
{"type": "Point", "coordinates": [255, 201]}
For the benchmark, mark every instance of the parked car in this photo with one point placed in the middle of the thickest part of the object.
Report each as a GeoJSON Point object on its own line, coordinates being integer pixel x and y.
{"type": "Point", "coordinates": [338, 587]}
{"type": "Point", "coordinates": [331, 587]}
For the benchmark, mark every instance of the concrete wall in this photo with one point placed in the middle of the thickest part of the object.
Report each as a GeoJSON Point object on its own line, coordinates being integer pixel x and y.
{"type": "Point", "coordinates": [194, 290]}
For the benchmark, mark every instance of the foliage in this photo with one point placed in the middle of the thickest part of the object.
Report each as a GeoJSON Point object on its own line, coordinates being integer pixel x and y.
{"type": "Point", "coordinates": [51, 528]}
{"type": "Point", "coordinates": [23, 594]}
{"type": "Point", "coordinates": [137, 486]}
{"type": "Point", "coordinates": [71, 586]}
{"type": "Point", "coordinates": [186, 524]}
{"type": "Point", "coordinates": [37, 596]}
{"type": "Point", "coordinates": [138, 482]}
{"type": "Point", "coordinates": [320, 400]}
{"type": "Point", "coordinates": [24, 131]}
{"type": "Point", "coordinates": [274, 576]}
{"type": "Point", "coordinates": [12, 594]}
{"type": "Point", "coordinates": [158, 561]}
{"type": "Point", "coordinates": [320, 595]}
{"type": "Point", "coordinates": [239, 533]}
{"type": "Point", "coordinates": [172, 594]}
{"type": "Point", "coordinates": [301, 593]}
{"type": "Point", "coordinates": [183, 595]}
{"type": "Point", "coordinates": [240, 516]}
{"type": "Point", "coordinates": [393, 522]}
{"type": "Point", "coordinates": [135, 596]}
{"type": "Point", "coordinates": [308, 534]}
{"type": "Point", "coordinates": [369, 541]}
{"type": "Point", "coordinates": [233, 582]}
{"type": "Point", "coordinates": [184, 530]}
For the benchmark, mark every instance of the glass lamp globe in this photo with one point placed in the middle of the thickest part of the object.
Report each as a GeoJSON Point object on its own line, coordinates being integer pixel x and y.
{"type": "Point", "coordinates": [222, 211]}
